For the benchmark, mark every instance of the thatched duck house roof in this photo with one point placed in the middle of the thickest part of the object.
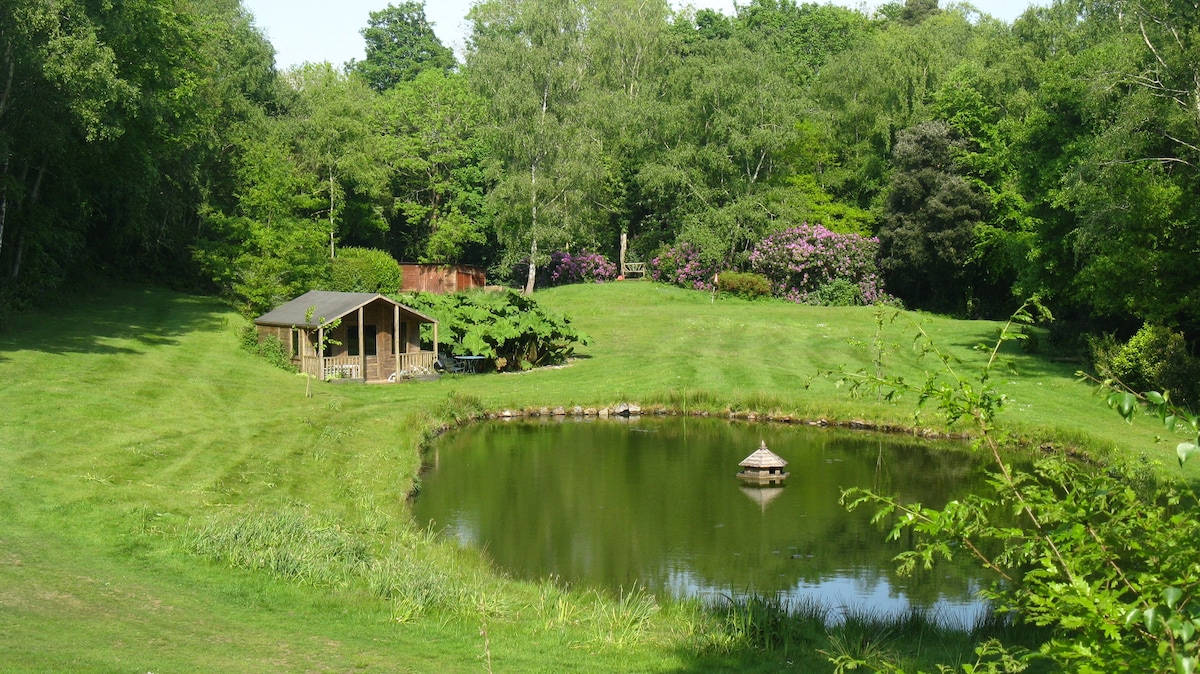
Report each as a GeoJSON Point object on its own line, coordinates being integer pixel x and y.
{"type": "Point", "coordinates": [763, 458]}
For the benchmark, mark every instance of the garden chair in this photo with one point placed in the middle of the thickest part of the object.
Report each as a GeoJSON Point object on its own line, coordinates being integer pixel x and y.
{"type": "Point", "coordinates": [448, 363]}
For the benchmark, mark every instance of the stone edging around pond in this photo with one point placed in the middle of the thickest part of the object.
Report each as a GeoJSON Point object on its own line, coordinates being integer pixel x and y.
{"type": "Point", "coordinates": [628, 410]}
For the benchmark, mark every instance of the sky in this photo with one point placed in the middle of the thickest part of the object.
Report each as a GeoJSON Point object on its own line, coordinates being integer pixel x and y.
{"type": "Point", "coordinates": [328, 30]}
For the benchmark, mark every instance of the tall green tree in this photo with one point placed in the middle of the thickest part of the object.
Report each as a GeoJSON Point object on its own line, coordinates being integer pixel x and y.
{"type": "Point", "coordinates": [927, 234]}
{"type": "Point", "coordinates": [885, 85]}
{"type": "Point", "coordinates": [724, 135]}
{"type": "Point", "coordinates": [805, 36]}
{"type": "Point", "coordinates": [432, 143]}
{"type": "Point", "coordinates": [401, 44]}
{"type": "Point", "coordinates": [114, 124]}
{"type": "Point", "coordinates": [527, 59]}
{"type": "Point", "coordinates": [628, 42]}
{"type": "Point", "coordinates": [312, 176]}
{"type": "Point", "coordinates": [1105, 160]}
{"type": "Point", "coordinates": [332, 124]}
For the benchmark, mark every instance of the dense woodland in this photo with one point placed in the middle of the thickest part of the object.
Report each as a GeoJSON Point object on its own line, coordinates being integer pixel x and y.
{"type": "Point", "coordinates": [1058, 155]}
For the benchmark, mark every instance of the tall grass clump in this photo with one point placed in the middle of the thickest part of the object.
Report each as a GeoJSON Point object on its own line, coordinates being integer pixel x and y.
{"type": "Point", "coordinates": [415, 587]}
{"type": "Point", "coordinates": [555, 607]}
{"type": "Point", "coordinates": [688, 400]}
{"type": "Point", "coordinates": [289, 543]}
{"type": "Point", "coordinates": [759, 402]}
{"type": "Point", "coordinates": [458, 407]}
{"type": "Point", "coordinates": [771, 623]}
{"type": "Point", "coordinates": [622, 621]}
{"type": "Point", "coordinates": [416, 573]}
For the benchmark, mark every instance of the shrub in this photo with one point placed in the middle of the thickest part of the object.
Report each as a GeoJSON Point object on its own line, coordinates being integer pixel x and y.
{"type": "Point", "coordinates": [839, 292]}
{"type": "Point", "coordinates": [364, 270]}
{"type": "Point", "coordinates": [583, 267]}
{"type": "Point", "coordinates": [270, 348]}
{"type": "Point", "coordinates": [259, 265]}
{"type": "Point", "coordinates": [682, 265]}
{"type": "Point", "coordinates": [1155, 358]}
{"type": "Point", "coordinates": [510, 329]}
{"type": "Point", "coordinates": [801, 260]}
{"type": "Point", "coordinates": [749, 286]}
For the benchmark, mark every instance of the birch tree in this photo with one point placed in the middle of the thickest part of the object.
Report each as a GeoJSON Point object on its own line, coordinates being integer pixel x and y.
{"type": "Point", "coordinates": [527, 59]}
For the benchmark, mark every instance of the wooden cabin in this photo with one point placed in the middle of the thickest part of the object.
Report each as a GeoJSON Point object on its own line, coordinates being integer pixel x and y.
{"type": "Point", "coordinates": [376, 340]}
{"type": "Point", "coordinates": [441, 278]}
{"type": "Point", "coordinates": [763, 467]}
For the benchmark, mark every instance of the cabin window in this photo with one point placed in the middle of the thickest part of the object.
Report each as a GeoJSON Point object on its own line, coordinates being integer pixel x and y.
{"type": "Point", "coordinates": [369, 338]}
{"type": "Point", "coordinates": [402, 338]}
{"type": "Point", "coordinates": [295, 343]}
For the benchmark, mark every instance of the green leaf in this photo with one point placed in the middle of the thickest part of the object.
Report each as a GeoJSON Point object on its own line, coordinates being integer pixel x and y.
{"type": "Point", "coordinates": [1169, 421]}
{"type": "Point", "coordinates": [1133, 615]}
{"type": "Point", "coordinates": [1126, 404]}
{"type": "Point", "coordinates": [1185, 665]}
{"type": "Point", "coordinates": [1185, 450]}
{"type": "Point", "coordinates": [1155, 397]}
{"type": "Point", "coordinates": [1171, 596]}
{"type": "Point", "coordinates": [1150, 618]}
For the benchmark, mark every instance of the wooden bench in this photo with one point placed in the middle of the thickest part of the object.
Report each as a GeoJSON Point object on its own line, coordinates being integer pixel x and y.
{"type": "Point", "coordinates": [633, 268]}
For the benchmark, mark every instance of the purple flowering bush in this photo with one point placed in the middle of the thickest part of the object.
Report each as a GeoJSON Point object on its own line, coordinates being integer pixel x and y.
{"type": "Point", "coordinates": [804, 260]}
{"type": "Point", "coordinates": [681, 265]}
{"type": "Point", "coordinates": [583, 267]}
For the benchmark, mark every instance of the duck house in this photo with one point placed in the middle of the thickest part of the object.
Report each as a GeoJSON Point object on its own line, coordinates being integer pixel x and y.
{"type": "Point", "coordinates": [763, 467]}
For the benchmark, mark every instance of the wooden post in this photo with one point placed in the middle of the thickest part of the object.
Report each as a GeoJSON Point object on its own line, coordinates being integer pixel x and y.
{"type": "Point", "coordinates": [362, 347]}
{"type": "Point", "coordinates": [320, 348]}
{"type": "Point", "coordinates": [396, 338]}
{"type": "Point", "coordinates": [435, 342]}
{"type": "Point", "coordinates": [624, 244]}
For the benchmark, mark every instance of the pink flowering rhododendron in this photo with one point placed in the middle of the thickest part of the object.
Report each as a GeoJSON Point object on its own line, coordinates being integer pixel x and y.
{"type": "Point", "coordinates": [802, 259]}
{"type": "Point", "coordinates": [681, 265]}
{"type": "Point", "coordinates": [580, 268]}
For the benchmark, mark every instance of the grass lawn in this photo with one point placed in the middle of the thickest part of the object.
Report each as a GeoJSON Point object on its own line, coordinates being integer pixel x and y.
{"type": "Point", "coordinates": [169, 502]}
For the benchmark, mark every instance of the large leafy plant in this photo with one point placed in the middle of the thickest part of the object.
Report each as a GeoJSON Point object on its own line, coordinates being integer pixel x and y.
{"type": "Point", "coordinates": [510, 329]}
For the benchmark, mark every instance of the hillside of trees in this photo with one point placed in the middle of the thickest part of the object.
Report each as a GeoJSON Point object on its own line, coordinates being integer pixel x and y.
{"type": "Point", "coordinates": [1058, 155]}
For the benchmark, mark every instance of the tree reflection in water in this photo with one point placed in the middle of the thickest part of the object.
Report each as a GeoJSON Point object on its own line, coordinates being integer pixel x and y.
{"type": "Point", "coordinates": [656, 502]}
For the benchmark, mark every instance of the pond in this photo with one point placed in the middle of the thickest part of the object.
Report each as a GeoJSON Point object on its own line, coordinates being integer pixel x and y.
{"type": "Point", "coordinates": [656, 503]}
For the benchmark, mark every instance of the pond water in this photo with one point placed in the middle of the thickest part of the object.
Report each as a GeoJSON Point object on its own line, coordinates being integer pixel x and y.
{"type": "Point", "coordinates": [656, 503]}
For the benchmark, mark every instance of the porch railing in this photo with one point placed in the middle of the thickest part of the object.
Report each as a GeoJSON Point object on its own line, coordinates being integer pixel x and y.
{"type": "Point", "coordinates": [350, 367]}
{"type": "Point", "coordinates": [338, 367]}
{"type": "Point", "coordinates": [415, 363]}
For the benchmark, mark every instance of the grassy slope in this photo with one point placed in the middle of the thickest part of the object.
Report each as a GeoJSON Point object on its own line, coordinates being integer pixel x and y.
{"type": "Point", "coordinates": [131, 413]}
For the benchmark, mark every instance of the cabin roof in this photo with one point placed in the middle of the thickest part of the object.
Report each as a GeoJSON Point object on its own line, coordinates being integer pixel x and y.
{"type": "Point", "coordinates": [327, 305]}
{"type": "Point", "coordinates": [763, 458]}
